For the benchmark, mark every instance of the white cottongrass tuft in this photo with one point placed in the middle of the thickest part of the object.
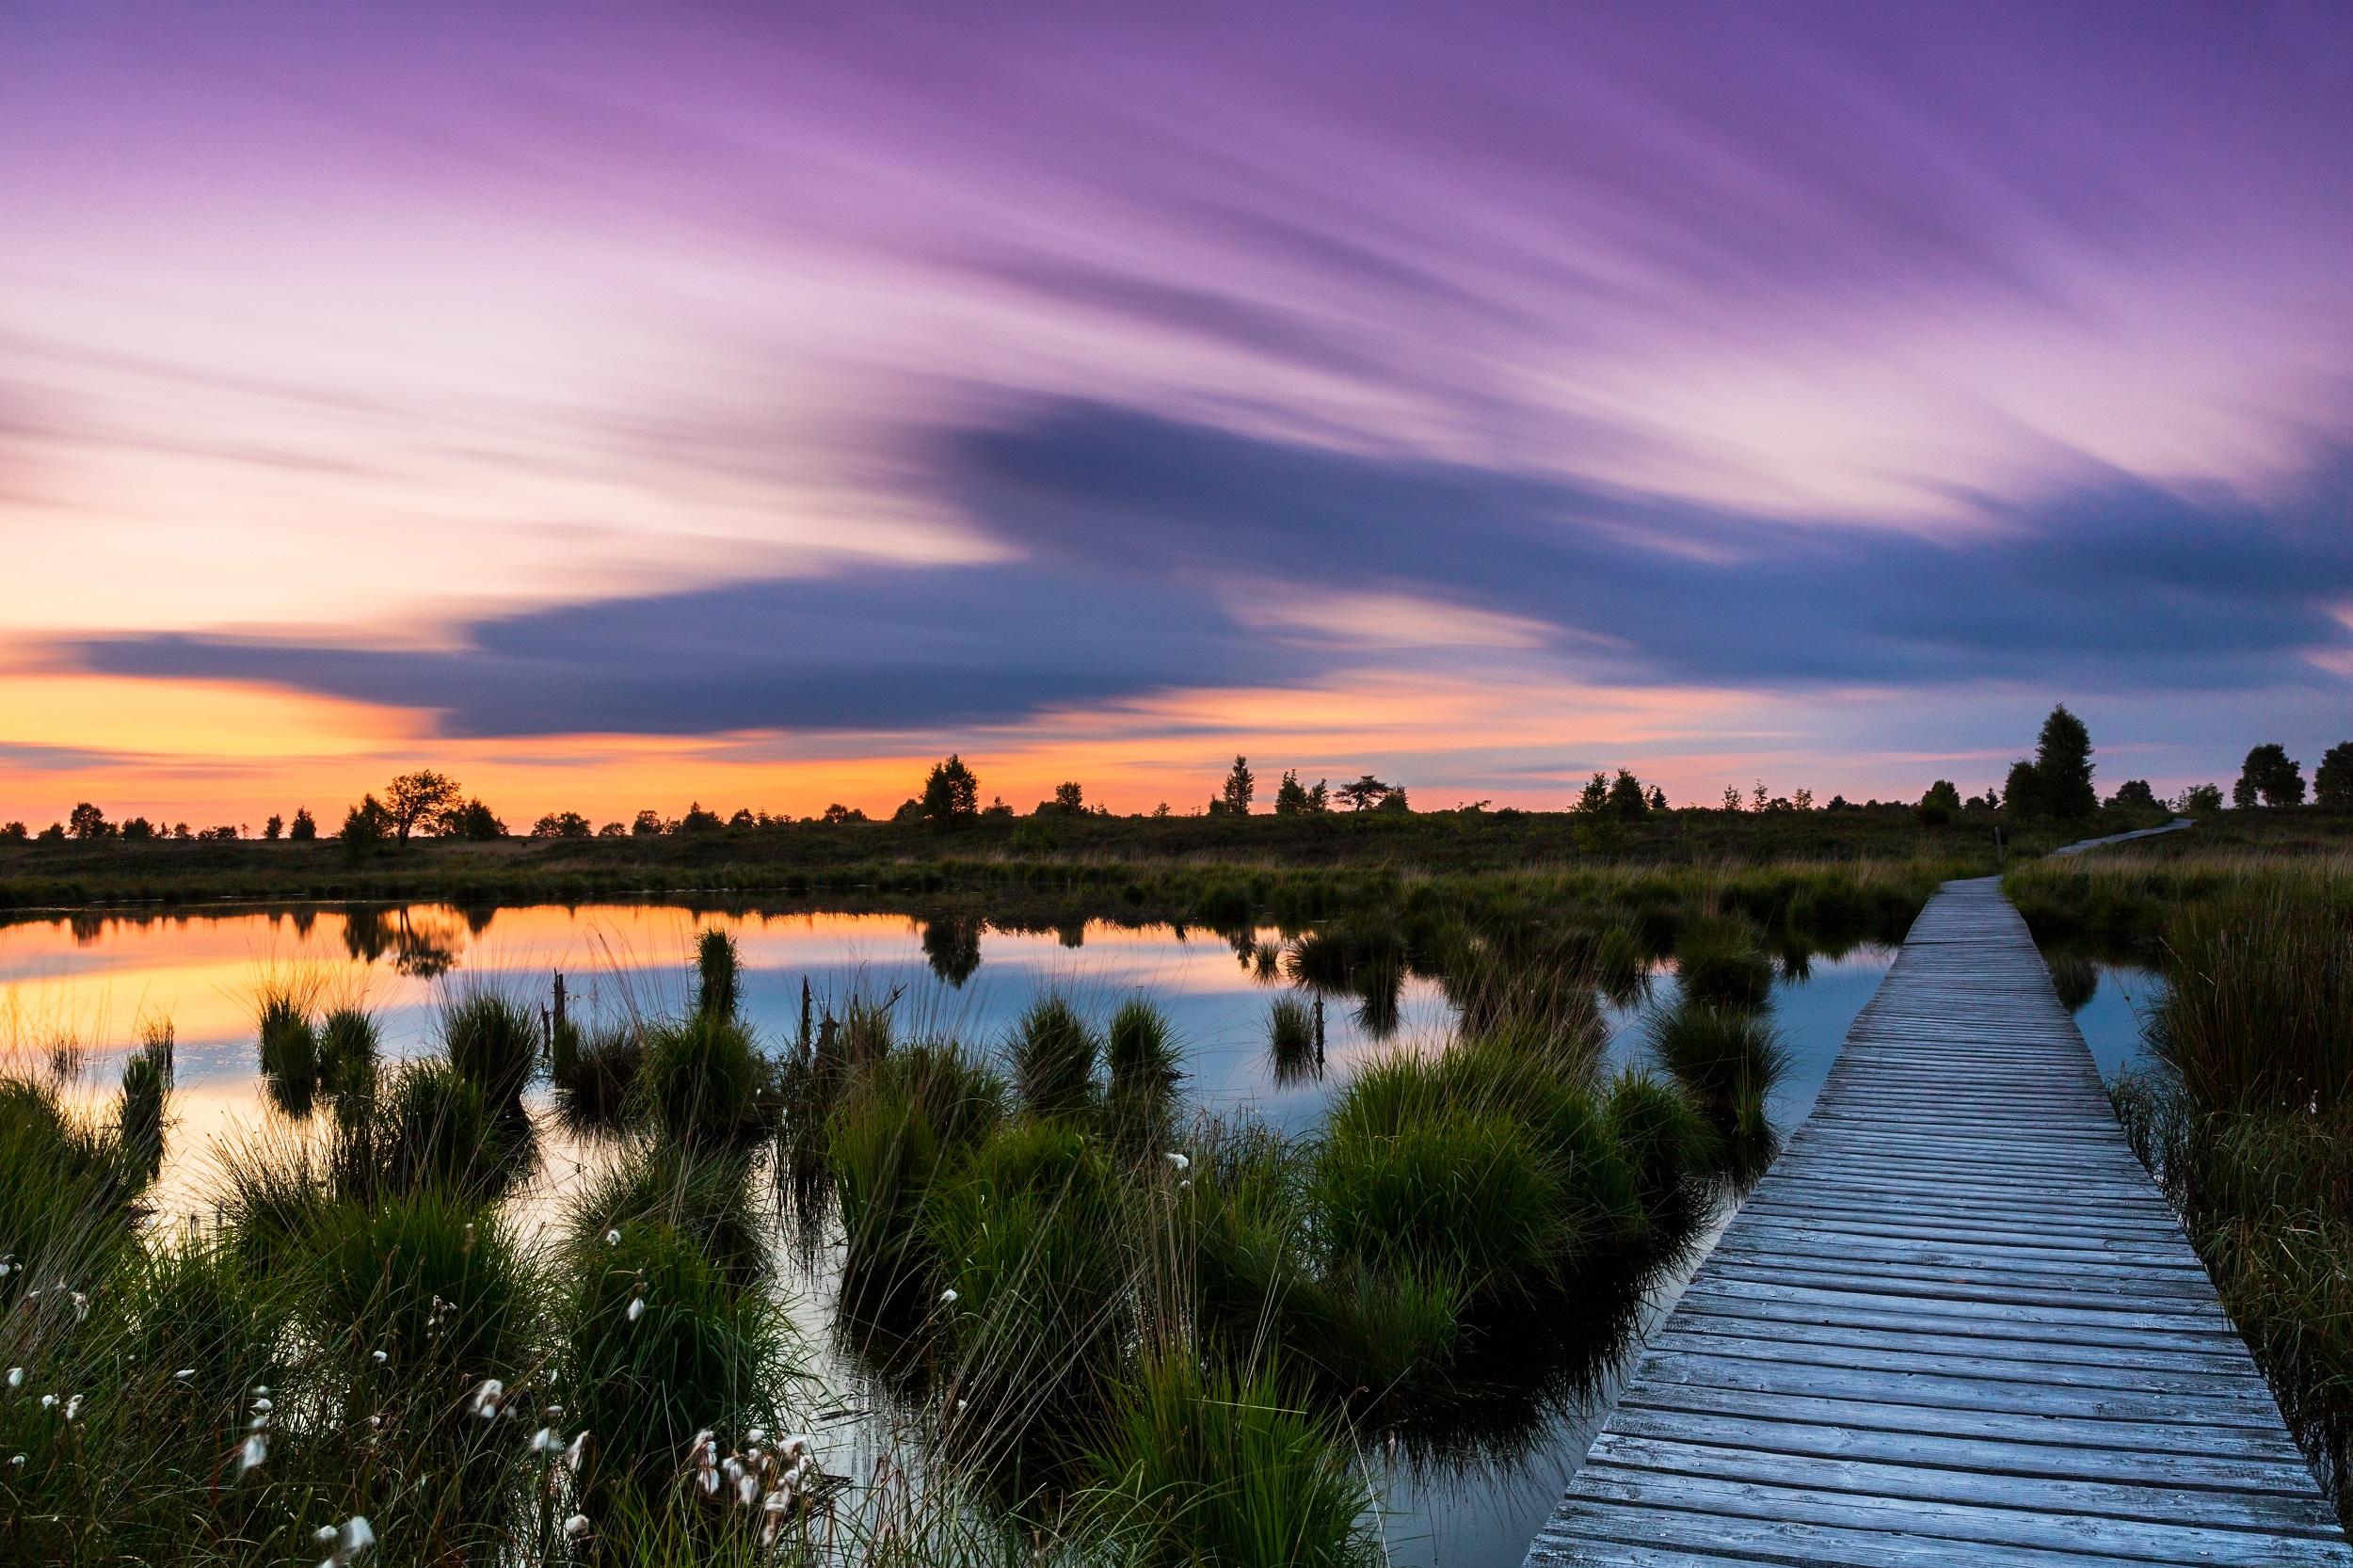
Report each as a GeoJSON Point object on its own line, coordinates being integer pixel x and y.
{"type": "Point", "coordinates": [256, 1449]}
{"type": "Point", "coordinates": [184, 1374]}
{"type": "Point", "coordinates": [1181, 1161]}
{"type": "Point", "coordinates": [489, 1397]}
{"type": "Point", "coordinates": [637, 1308]}
{"type": "Point", "coordinates": [948, 1296]}
{"type": "Point", "coordinates": [355, 1536]}
{"type": "Point", "coordinates": [612, 1239]}
{"type": "Point", "coordinates": [576, 1527]}
{"type": "Point", "coordinates": [73, 1407]}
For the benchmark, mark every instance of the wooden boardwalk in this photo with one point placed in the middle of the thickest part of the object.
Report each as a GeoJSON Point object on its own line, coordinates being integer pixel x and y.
{"type": "Point", "coordinates": [1955, 1325]}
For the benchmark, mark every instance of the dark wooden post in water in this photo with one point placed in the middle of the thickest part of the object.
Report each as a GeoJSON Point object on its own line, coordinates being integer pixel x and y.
{"type": "Point", "coordinates": [1954, 1324]}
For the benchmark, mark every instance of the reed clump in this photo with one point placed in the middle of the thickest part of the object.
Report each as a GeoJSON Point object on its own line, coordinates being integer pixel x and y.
{"type": "Point", "coordinates": [1726, 1061]}
{"type": "Point", "coordinates": [493, 1041]}
{"type": "Point", "coordinates": [2246, 1118]}
{"type": "Point", "coordinates": [1722, 964]}
{"type": "Point", "coordinates": [1054, 1056]}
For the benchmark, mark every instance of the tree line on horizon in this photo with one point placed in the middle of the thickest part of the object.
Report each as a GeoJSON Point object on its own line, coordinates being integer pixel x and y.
{"type": "Point", "coordinates": [2055, 785]}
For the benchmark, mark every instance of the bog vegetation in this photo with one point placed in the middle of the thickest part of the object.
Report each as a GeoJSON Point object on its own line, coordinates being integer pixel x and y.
{"type": "Point", "coordinates": [423, 835]}
{"type": "Point", "coordinates": [2244, 1110]}
{"type": "Point", "coordinates": [1082, 1324]}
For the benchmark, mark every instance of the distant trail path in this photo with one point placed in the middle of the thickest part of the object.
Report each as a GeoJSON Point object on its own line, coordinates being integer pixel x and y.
{"type": "Point", "coordinates": [1955, 1325]}
{"type": "Point", "coordinates": [2174, 826]}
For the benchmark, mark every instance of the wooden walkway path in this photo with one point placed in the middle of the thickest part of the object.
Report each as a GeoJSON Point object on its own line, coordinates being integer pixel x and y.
{"type": "Point", "coordinates": [1955, 1325]}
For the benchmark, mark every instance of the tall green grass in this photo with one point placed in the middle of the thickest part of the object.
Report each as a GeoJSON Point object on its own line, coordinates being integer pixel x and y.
{"type": "Point", "coordinates": [493, 1041]}
{"type": "Point", "coordinates": [1054, 1056]}
{"type": "Point", "coordinates": [2247, 1117]}
{"type": "Point", "coordinates": [1215, 1465]}
{"type": "Point", "coordinates": [1727, 1061]}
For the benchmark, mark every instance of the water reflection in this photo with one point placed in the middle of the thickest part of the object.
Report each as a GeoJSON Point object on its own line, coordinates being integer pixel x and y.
{"type": "Point", "coordinates": [1472, 1478]}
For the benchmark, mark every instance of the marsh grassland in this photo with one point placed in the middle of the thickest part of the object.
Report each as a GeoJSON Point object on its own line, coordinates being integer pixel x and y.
{"type": "Point", "coordinates": [648, 1282]}
{"type": "Point", "coordinates": [2242, 1106]}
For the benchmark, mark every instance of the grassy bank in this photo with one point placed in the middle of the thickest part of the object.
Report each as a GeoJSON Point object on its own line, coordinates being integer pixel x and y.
{"type": "Point", "coordinates": [2246, 1118]}
{"type": "Point", "coordinates": [1150, 859]}
{"type": "Point", "coordinates": [2120, 900]}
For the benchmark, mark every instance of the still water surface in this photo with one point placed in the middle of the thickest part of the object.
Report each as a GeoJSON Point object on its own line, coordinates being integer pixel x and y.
{"type": "Point", "coordinates": [80, 987]}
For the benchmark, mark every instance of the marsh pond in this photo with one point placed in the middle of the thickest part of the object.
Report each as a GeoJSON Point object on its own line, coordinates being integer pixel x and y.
{"type": "Point", "coordinates": [1307, 1125]}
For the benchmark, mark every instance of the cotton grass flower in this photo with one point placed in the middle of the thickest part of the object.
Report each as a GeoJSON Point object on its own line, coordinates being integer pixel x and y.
{"type": "Point", "coordinates": [255, 1451]}
{"type": "Point", "coordinates": [1182, 1162]}
{"type": "Point", "coordinates": [353, 1537]}
{"type": "Point", "coordinates": [949, 1297]}
{"type": "Point", "coordinates": [488, 1398]}
{"type": "Point", "coordinates": [576, 1527]}
{"type": "Point", "coordinates": [637, 1308]}
{"type": "Point", "coordinates": [16, 1377]}
{"type": "Point", "coordinates": [612, 1239]}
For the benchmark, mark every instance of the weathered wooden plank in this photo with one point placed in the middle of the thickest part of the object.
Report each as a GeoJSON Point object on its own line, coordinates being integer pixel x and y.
{"type": "Point", "coordinates": [1955, 1324]}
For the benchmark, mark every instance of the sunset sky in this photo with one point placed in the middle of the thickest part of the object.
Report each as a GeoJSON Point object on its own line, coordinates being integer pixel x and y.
{"type": "Point", "coordinates": [619, 405]}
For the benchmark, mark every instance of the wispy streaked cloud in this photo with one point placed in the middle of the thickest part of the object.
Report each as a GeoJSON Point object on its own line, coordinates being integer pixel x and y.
{"type": "Point", "coordinates": [842, 378]}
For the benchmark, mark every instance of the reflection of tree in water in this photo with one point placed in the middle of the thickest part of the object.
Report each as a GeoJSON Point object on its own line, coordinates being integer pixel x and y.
{"type": "Point", "coordinates": [951, 945]}
{"type": "Point", "coordinates": [1071, 934]}
{"type": "Point", "coordinates": [422, 943]}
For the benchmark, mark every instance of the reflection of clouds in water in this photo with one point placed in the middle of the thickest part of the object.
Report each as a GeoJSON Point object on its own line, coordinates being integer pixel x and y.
{"type": "Point", "coordinates": [93, 980]}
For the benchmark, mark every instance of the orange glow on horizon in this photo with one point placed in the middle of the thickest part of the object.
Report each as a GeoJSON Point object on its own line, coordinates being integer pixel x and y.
{"type": "Point", "coordinates": [216, 752]}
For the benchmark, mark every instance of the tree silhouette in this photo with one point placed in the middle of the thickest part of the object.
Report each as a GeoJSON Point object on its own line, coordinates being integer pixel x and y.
{"type": "Point", "coordinates": [1240, 784]}
{"type": "Point", "coordinates": [1941, 804]}
{"type": "Point", "coordinates": [2270, 775]}
{"type": "Point", "coordinates": [1626, 801]}
{"type": "Point", "coordinates": [1594, 798]}
{"type": "Point", "coordinates": [2333, 784]}
{"type": "Point", "coordinates": [2022, 792]}
{"type": "Point", "coordinates": [1366, 794]}
{"type": "Point", "coordinates": [952, 793]}
{"type": "Point", "coordinates": [2062, 766]}
{"type": "Point", "coordinates": [306, 826]}
{"type": "Point", "coordinates": [366, 826]}
{"type": "Point", "coordinates": [561, 824]}
{"type": "Point", "coordinates": [418, 797]}
{"type": "Point", "coordinates": [2134, 792]}
{"type": "Point", "coordinates": [473, 821]}
{"type": "Point", "coordinates": [1293, 799]}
